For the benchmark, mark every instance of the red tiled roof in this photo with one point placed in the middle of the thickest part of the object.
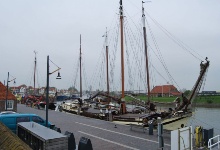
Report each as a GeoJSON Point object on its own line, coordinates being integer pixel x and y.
{"type": "Point", "coordinates": [23, 85]}
{"type": "Point", "coordinates": [176, 93]}
{"type": "Point", "coordinates": [3, 93]}
{"type": "Point", "coordinates": [164, 89]}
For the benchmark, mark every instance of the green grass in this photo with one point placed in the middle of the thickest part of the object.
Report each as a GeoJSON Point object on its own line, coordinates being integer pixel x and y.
{"type": "Point", "coordinates": [199, 99]}
{"type": "Point", "coordinates": [158, 99]}
{"type": "Point", "coordinates": [208, 99]}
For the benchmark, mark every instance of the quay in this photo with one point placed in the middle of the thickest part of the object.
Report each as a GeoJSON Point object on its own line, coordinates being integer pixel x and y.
{"type": "Point", "coordinates": [104, 135]}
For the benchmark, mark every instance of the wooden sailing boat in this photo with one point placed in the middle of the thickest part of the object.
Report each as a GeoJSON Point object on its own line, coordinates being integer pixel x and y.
{"type": "Point", "coordinates": [76, 105]}
{"type": "Point", "coordinates": [181, 108]}
{"type": "Point", "coordinates": [149, 104]}
{"type": "Point", "coordinates": [34, 97]}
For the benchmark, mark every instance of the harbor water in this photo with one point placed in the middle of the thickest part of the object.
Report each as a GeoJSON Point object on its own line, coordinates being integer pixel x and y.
{"type": "Point", "coordinates": [207, 118]}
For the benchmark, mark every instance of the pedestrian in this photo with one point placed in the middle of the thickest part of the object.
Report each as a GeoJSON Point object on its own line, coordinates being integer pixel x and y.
{"type": "Point", "coordinates": [31, 103]}
{"type": "Point", "coordinates": [26, 102]}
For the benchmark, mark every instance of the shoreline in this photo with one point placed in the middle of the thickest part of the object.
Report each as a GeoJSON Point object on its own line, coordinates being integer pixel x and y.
{"type": "Point", "coordinates": [171, 104]}
{"type": "Point", "coordinates": [203, 105]}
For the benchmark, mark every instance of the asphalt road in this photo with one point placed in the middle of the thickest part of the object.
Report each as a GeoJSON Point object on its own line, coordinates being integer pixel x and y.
{"type": "Point", "coordinates": [103, 134]}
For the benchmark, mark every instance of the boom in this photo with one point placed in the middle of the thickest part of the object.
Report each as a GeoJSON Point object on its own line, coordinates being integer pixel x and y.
{"type": "Point", "coordinates": [186, 102]}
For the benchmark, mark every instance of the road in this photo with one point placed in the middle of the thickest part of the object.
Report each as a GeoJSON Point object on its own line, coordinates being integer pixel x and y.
{"type": "Point", "coordinates": [104, 135]}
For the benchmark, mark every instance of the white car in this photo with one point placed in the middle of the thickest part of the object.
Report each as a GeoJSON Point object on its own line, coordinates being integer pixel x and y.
{"type": "Point", "coordinates": [7, 112]}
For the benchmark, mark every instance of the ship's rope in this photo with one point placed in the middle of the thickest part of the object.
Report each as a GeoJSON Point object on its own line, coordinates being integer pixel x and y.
{"type": "Point", "coordinates": [130, 78]}
{"type": "Point", "coordinates": [39, 76]}
{"type": "Point", "coordinates": [73, 75]}
{"type": "Point", "coordinates": [176, 40]}
{"type": "Point", "coordinates": [132, 45]}
{"type": "Point", "coordinates": [133, 49]}
{"type": "Point", "coordinates": [95, 76]}
{"type": "Point", "coordinates": [160, 57]}
{"type": "Point", "coordinates": [99, 75]}
{"type": "Point", "coordinates": [32, 74]}
{"type": "Point", "coordinates": [84, 75]}
{"type": "Point", "coordinates": [112, 57]}
{"type": "Point", "coordinates": [76, 73]}
{"type": "Point", "coordinates": [136, 43]}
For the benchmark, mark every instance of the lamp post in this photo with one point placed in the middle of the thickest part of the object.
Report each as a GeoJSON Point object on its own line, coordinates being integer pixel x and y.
{"type": "Point", "coordinates": [6, 99]}
{"type": "Point", "coordinates": [47, 91]}
{"type": "Point", "coordinates": [6, 108]}
{"type": "Point", "coordinates": [47, 88]}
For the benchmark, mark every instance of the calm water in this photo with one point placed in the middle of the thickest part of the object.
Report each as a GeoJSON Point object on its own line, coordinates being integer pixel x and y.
{"type": "Point", "coordinates": [207, 118]}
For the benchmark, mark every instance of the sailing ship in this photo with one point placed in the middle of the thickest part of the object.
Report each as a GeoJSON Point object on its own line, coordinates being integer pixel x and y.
{"type": "Point", "coordinates": [75, 104]}
{"type": "Point", "coordinates": [33, 98]}
{"type": "Point", "coordinates": [36, 99]}
{"type": "Point", "coordinates": [181, 110]}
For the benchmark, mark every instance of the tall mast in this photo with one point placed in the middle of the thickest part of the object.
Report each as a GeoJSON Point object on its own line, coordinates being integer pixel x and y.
{"type": "Point", "coordinates": [107, 77]}
{"type": "Point", "coordinates": [122, 49]}
{"type": "Point", "coordinates": [35, 63]}
{"type": "Point", "coordinates": [80, 60]}
{"type": "Point", "coordinates": [146, 53]}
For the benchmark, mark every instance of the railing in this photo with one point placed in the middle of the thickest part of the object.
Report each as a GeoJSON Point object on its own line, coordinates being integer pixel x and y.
{"type": "Point", "coordinates": [212, 144]}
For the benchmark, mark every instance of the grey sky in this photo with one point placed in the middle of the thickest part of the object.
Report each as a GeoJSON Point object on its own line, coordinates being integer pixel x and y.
{"type": "Point", "coordinates": [52, 27]}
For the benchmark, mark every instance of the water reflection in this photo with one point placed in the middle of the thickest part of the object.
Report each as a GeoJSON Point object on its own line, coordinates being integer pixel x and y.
{"type": "Point", "coordinates": [207, 118]}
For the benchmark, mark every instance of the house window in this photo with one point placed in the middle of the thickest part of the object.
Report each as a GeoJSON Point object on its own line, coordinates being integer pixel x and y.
{"type": "Point", "coordinates": [10, 104]}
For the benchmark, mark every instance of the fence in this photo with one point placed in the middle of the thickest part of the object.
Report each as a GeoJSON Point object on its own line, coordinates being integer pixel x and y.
{"type": "Point", "coordinates": [211, 142]}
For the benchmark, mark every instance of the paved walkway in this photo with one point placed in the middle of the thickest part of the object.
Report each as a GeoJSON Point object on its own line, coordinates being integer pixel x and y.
{"type": "Point", "coordinates": [104, 135]}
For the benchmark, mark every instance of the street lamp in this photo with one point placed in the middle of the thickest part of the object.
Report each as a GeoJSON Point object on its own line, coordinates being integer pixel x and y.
{"type": "Point", "coordinates": [6, 100]}
{"type": "Point", "coordinates": [47, 89]}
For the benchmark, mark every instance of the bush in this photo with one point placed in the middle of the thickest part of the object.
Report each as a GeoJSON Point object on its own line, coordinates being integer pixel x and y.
{"type": "Point", "coordinates": [209, 101]}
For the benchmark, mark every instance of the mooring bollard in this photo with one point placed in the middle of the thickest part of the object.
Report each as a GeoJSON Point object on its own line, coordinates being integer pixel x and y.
{"type": "Point", "coordinates": [160, 135]}
{"type": "Point", "coordinates": [85, 144]}
{"type": "Point", "coordinates": [71, 140]}
{"type": "Point", "coordinates": [151, 128]}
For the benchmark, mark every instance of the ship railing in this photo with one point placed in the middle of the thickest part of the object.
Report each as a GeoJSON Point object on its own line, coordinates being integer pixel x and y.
{"type": "Point", "coordinates": [211, 143]}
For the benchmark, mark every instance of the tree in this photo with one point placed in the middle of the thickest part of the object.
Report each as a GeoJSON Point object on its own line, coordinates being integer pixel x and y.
{"type": "Point", "coordinates": [72, 89]}
{"type": "Point", "coordinates": [187, 92]}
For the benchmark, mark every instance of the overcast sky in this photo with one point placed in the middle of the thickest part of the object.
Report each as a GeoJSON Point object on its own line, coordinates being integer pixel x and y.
{"type": "Point", "coordinates": [53, 27]}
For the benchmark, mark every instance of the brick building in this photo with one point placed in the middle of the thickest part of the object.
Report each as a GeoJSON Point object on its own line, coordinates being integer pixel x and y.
{"type": "Point", "coordinates": [165, 91]}
{"type": "Point", "coordinates": [11, 100]}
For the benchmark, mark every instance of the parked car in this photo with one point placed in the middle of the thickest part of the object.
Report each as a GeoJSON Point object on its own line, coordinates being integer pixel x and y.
{"type": "Point", "coordinates": [7, 112]}
{"type": "Point", "coordinates": [11, 120]}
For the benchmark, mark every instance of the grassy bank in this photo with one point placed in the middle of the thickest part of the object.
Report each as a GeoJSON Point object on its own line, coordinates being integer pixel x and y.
{"type": "Point", "coordinates": [208, 99]}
